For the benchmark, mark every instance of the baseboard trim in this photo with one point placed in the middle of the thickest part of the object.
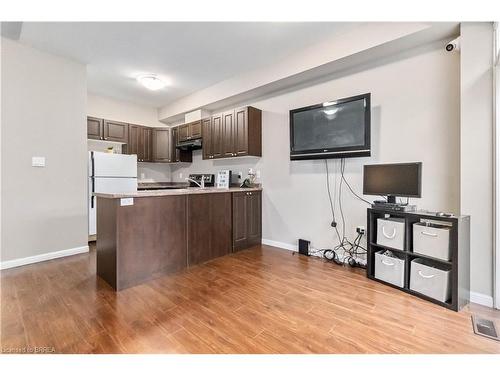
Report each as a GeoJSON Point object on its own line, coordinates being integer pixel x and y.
{"type": "Point", "coordinates": [43, 257]}
{"type": "Point", "coordinates": [481, 299]}
{"type": "Point", "coordinates": [281, 245]}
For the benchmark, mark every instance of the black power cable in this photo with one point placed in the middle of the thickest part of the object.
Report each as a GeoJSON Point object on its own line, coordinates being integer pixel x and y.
{"type": "Point", "coordinates": [350, 249]}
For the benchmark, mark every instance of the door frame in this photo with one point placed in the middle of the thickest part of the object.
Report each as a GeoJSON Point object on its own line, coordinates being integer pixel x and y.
{"type": "Point", "coordinates": [496, 129]}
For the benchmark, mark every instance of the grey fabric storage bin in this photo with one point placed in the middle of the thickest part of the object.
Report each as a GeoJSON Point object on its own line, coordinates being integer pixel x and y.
{"type": "Point", "coordinates": [431, 279]}
{"type": "Point", "coordinates": [432, 240]}
{"type": "Point", "coordinates": [389, 269]}
{"type": "Point", "coordinates": [391, 233]}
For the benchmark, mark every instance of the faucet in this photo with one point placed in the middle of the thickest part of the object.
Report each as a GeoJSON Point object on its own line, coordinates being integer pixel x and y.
{"type": "Point", "coordinates": [202, 185]}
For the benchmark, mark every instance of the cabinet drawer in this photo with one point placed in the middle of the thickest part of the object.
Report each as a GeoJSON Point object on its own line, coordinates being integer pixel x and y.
{"type": "Point", "coordinates": [432, 240]}
{"type": "Point", "coordinates": [430, 279]}
{"type": "Point", "coordinates": [389, 269]}
{"type": "Point", "coordinates": [391, 233]}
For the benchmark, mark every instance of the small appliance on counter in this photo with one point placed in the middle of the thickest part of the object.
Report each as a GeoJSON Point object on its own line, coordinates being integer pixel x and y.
{"type": "Point", "coordinates": [223, 179]}
{"type": "Point", "coordinates": [209, 179]}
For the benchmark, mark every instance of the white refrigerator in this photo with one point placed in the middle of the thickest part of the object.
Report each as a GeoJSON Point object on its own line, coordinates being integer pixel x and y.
{"type": "Point", "coordinates": [109, 173]}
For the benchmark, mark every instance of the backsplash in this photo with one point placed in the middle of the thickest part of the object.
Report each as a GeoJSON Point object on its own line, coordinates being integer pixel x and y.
{"type": "Point", "coordinates": [153, 172]}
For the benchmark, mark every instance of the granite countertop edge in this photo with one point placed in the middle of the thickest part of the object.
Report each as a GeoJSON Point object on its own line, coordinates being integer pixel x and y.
{"type": "Point", "coordinates": [181, 191]}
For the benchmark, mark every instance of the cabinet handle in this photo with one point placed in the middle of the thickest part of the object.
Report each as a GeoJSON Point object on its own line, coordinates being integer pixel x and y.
{"type": "Point", "coordinates": [425, 276]}
{"type": "Point", "coordinates": [389, 236]}
{"type": "Point", "coordinates": [429, 234]}
{"type": "Point", "coordinates": [388, 263]}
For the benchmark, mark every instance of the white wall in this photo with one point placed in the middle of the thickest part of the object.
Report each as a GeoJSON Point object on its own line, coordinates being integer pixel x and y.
{"type": "Point", "coordinates": [112, 109]}
{"type": "Point", "coordinates": [43, 114]}
{"type": "Point", "coordinates": [476, 148]}
{"type": "Point", "coordinates": [415, 117]}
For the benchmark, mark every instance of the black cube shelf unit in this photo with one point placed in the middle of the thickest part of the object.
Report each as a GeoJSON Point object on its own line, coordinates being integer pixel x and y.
{"type": "Point", "coordinates": [459, 245]}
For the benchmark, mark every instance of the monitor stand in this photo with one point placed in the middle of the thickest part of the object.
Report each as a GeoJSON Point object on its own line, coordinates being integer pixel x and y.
{"type": "Point", "coordinates": [391, 199]}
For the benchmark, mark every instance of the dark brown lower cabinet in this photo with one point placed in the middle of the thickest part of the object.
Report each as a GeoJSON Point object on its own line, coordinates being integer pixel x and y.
{"type": "Point", "coordinates": [247, 219]}
{"type": "Point", "coordinates": [209, 226]}
{"type": "Point", "coordinates": [156, 235]}
{"type": "Point", "coordinates": [142, 241]}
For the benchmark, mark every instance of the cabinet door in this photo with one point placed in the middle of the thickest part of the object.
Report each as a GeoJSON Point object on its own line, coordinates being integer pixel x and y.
{"type": "Point", "coordinates": [217, 136]}
{"type": "Point", "coordinates": [220, 224]}
{"type": "Point", "coordinates": [174, 152]}
{"type": "Point", "coordinates": [195, 130]}
{"type": "Point", "coordinates": [148, 144]}
{"type": "Point", "coordinates": [94, 128]}
{"type": "Point", "coordinates": [115, 131]}
{"type": "Point", "coordinates": [254, 217]}
{"type": "Point", "coordinates": [228, 134]}
{"type": "Point", "coordinates": [240, 217]}
{"type": "Point", "coordinates": [241, 131]}
{"type": "Point", "coordinates": [183, 132]}
{"type": "Point", "coordinates": [185, 156]}
{"type": "Point", "coordinates": [133, 140]}
{"type": "Point", "coordinates": [209, 226]}
{"type": "Point", "coordinates": [161, 145]}
{"type": "Point", "coordinates": [207, 138]}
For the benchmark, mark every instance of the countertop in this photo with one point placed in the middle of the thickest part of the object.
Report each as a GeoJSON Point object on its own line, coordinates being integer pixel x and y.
{"type": "Point", "coordinates": [180, 191]}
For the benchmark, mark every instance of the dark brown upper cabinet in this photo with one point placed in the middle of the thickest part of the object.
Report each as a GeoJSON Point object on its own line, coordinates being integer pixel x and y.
{"type": "Point", "coordinates": [140, 143]}
{"type": "Point", "coordinates": [228, 134]}
{"type": "Point", "coordinates": [94, 128]}
{"type": "Point", "coordinates": [106, 130]}
{"type": "Point", "coordinates": [189, 131]}
{"type": "Point", "coordinates": [162, 145]}
{"type": "Point", "coordinates": [247, 219]}
{"type": "Point", "coordinates": [206, 131]}
{"type": "Point", "coordinates": [233, 133]}
{"type": "Point", "coordinates": [115, 131]}
{"type": "Point", "coordinates": [178, 156]}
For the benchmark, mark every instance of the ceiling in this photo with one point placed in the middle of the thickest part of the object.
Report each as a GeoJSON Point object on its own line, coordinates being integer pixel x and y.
{"type": "Point", "coordinates": [190, 56]}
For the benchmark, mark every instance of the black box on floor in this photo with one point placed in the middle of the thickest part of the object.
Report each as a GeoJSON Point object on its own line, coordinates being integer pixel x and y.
{"type": "Point", "coordinates": [304, 246]}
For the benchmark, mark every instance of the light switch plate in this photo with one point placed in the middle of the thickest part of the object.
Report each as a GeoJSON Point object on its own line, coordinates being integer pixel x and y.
{"type": "Point", "coordinates": [38, 161]}
{"type": "Point", "coordinates": [126, 201]}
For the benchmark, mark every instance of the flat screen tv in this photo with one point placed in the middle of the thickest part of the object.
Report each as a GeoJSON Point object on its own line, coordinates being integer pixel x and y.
{"type": "Point", "coordinates": [335, 129]}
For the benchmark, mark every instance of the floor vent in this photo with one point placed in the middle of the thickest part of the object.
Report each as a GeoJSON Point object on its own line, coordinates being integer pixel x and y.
{"type": "Point", "coordinates": [485, 327]}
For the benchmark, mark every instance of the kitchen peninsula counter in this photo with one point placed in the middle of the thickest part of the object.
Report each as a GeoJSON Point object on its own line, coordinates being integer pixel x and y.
{"type": "Point", "coordinates": [150, 233]}
{"type": "Point", "coordinates": [180, 191]}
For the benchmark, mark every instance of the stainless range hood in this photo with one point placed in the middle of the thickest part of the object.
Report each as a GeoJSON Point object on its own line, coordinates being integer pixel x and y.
{"type": "Point", "coordinates": [194, 144]}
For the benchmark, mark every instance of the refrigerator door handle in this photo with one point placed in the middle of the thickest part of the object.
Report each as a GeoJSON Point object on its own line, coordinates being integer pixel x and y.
{"type": "Point", "coordinates": [93, 191]}
{"type": "Point", "coordinates": [93, 179]}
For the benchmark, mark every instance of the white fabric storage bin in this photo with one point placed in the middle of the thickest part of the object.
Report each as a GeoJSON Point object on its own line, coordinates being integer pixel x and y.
{"type": "Point", "coordinates": [432, 240]}
{"type": "Point", "coordinates": [389, 269]}
{"type": "Point", "coordinates": [431, 279]}
{"type": "Point", "coordinates": [391, 233]}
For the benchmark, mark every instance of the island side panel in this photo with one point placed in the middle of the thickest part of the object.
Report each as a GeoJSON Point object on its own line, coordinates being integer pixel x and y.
{"type": "Point", "coordinates": [106, 240]}
{"type": "Point", "coordinates": [209, 227]}
{"type": "Point", "coordinates": [151, 239]}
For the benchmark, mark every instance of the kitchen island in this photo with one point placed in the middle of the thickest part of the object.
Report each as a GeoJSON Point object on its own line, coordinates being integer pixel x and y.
{"type": "Point", "coordinates": [147, 234]}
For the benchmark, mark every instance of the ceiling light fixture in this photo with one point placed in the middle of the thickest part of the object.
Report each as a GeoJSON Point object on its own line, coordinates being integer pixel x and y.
{"type": "Point", "coordinates": [151, 82]}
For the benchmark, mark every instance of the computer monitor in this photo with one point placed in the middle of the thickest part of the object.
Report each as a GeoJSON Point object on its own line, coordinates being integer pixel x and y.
{"type": "Point", "coordinates": [392, 180]}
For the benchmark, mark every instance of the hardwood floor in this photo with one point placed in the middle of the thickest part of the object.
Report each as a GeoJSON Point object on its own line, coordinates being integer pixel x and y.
{"type": "Point", "coordinates": [262, 300]}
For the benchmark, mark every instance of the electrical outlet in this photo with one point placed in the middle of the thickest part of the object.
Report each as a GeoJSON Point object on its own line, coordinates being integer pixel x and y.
{"type": "Point", "coordinates": [360, 229]}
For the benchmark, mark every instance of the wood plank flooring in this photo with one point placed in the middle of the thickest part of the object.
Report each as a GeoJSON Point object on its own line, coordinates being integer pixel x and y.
{"type": "Point", "coordinates": [261, 300]}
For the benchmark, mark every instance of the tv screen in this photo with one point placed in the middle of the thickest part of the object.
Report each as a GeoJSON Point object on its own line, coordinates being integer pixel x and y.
{"type": "Point", "coordinates": [336, 129]}
{"type": "Point", "coordinates": [402, 179]}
